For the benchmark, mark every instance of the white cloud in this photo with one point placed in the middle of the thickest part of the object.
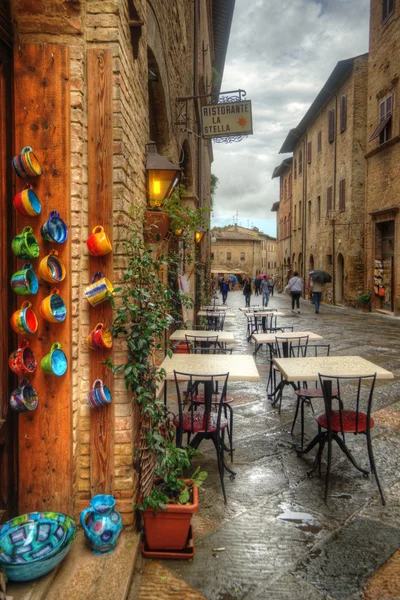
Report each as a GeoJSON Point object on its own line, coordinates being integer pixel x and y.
{"type": "Point", "coordinates": [281, 53]}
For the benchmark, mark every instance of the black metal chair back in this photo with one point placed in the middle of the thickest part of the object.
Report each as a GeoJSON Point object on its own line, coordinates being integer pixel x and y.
{"type": "Point", "coordinates": [200, 343]}
{"type": "Point", "coordinates": [290, 347]}
{"type": "Point", "coordinates": [215, 322]}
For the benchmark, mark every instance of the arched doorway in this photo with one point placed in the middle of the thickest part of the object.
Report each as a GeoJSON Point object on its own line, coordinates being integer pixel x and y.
{"type": "Point", "coordinates": [311, 263]}
{"type": "Point", "coordinates": [339, 279]}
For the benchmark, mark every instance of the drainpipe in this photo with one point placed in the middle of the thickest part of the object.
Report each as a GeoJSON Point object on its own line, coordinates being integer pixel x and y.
{"type": "Point", "coordinates": [303, 229]}
{"type": "Point", "coordinates": [334, 206]}
{"type": "Point", "coordinates": [196, 23]}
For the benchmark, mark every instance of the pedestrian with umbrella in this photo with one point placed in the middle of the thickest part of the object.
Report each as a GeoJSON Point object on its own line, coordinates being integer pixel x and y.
{"type": "Point", "coordinates": [318, 279]}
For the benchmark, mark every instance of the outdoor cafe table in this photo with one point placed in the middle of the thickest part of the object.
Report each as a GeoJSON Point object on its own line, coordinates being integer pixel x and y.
{"type": "Point", "coordinates": [214, 313]}
{"type": "Point", "coordinates": [269, 338]}
{"type": "Point", "coordinates": [265, 313]}
{"type": "Point", "coordinates": [225, 337]}
{"type": "Point", "coordinates": [216, 307]}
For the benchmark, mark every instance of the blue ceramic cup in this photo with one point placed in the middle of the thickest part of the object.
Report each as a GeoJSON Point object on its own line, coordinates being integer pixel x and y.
{"type": "Point", "coordinates": [54, 229]}
{"type": "Point", "coordinates": [55, 363]}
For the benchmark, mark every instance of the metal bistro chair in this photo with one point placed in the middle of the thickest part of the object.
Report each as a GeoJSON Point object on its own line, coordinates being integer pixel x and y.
{"type": "Point", "coordinates": [286, 348]}
{"type": "Point", "coordinates": [353, 416]}
{"type": "Point", "coordinates": [215, 322]}
{"type": "Point", "coordinates": [200, 343]}
{"type": "Point", "coordinates": [306, 393]}
{"type": "Point", "coordinates": [207, 423]}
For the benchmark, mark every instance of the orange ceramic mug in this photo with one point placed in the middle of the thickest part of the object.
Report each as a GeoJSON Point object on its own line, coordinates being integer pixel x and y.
{"type": "Point", "coordinates": [99, 243]}
{"type": "Point", "coordinates": [100, 338]}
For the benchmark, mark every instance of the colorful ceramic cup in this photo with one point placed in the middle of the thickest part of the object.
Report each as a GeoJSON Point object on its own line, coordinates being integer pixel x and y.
{"type": "Point", "coordinates": [99, 243]}
{"type": "Point", "coordinates": [52, 268]}
{"type": "Point", "coordinates": [25, 245]}
{"type": "Point", "coordinates": [27, 203]}
{"type": "Point", "coordinates": [53, 308]}
{"type": "Point", "coordinates": [100, 289]}
{"type": "Point", "coordinates": [24, 398]}
{"type": "Point", "coordinates": [22, 361]}
{"type": "Point", "coordinates": [24, 320]}
{"type": "Point", "coordinates": [55, 362]}
{"type": "Point", "coordinates": [54, 229]}
{"type": "Point", "coordinates": [25, 282]}
{"type": "Point", "coordinates": [99, 395]}
{"type": "Point", "coordinates": [26, 164]}
{"type": "Point", "coordinates": [100, 338]}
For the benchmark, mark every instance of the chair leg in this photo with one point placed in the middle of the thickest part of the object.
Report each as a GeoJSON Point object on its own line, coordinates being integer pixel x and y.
{"type": "Point", "coordinates": [295, 417]}
{"type": "Point", "coordinates": [230, 428]}
{"type": "Point", "coordinates": [328, 464]}
{"type": "Point", "coordinates": [219, 446]}
{"type": "Point", "coordinates": [373, 466]}
{"type": "Point", "coordinates": [302, 422]}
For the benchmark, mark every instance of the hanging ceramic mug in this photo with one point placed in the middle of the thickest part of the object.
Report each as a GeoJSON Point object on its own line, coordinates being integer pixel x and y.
{"type": "Point", "coordinates": [24, 398]}
{"type": "Point", "coordinates": [24, 320]}
{"type": "Point", "coordinates": [53, 308]}
{"type": "Point", "coordinates": [25, 245]}
{"type": "Point", "coordinates": [99, 395]}
{"type": "Point", "coordinates": [26, 164]}
{"type": "Point", "coordinates": [55, 362]}
{"type": "Point", "coordinates": [52, 268]}
{"type": "Point", "coordinates": [22, 361]}
{"type": "Point", "coordinates": [27, 203]}
{"type": "Point", "coordinates": [100, 338]}
{"type": "Point", "coordinates": [25, 282]}
{"type": "Point", "coordinates": [54, 229]}
{"type": "Point", "coordinates": [99, 243]}
{"type": "Point", "coordinates": [99, 289]}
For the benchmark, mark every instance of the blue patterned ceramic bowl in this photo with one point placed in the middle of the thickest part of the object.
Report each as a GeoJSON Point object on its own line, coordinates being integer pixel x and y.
{"type": "Point", "coordinates": [31, 545]}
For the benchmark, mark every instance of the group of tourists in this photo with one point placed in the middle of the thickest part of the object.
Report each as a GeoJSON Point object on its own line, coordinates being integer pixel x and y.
{"type": "Point", "coordinates": [263, 286]}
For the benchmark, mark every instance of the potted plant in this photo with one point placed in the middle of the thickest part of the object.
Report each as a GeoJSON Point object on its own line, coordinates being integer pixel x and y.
{"type": "Point", "coordinates": [365, 301]}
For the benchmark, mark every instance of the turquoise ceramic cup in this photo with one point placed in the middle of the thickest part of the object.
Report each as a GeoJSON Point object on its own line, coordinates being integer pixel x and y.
{"type": "Point", "coordinates": [25, 282]}
{"type": "Point", "coordinates": [55, 362]}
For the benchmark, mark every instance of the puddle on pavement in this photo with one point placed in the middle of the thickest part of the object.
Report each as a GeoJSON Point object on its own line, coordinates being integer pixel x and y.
{"type": "Point", "coordinates": [302, 520]}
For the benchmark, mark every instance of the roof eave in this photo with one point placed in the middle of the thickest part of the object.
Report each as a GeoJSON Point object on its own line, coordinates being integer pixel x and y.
{"type": "Point", "coordinates": [222, 22]}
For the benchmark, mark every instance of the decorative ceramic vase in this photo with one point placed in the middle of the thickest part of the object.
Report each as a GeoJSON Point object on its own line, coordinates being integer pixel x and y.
{"type": "Point", "coordinates": [52, 268]}
{"type": "Point", "coordinates": [101, 523]}
{"type": "Point", "coordinates": [100, 289]}
{"type": "Point", "coordinates": [55, 362]}
{"type": "Point", "coordinates": [53, 308]}
{"type": "Point", "coordinates": [24, 320]}
{"type": "Point", "coordinates": [24, 398]}
{"type": "Point", "coordinates": [25, 282]}
{"type": "Point", "coordinates": [26, 164]}
{"type": "Point", "coordinates": [25, 245]}
{"type": "Point", "coordinates": [100, 338]}
{"type": "Point", "coordinates": [98, 243]}
{"type": "Point", "coordinates": [99, 395]}
{"type": "Point", "coordinates": [22, 361]}
{"type": "Point", "coordinates": [27, 203]}
{"type": "Point", "coordinates": [54, 229]}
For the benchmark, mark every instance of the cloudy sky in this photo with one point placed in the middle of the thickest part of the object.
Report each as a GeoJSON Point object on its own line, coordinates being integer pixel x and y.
{"type": "Point", "coordinates": [281, 53]}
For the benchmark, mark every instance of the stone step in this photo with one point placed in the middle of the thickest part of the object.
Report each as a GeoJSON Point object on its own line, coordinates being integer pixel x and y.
{"type": "Point", "coordinates": [84, 575]}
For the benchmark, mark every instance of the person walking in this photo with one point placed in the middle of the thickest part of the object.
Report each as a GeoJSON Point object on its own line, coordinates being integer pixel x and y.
{"type": "Point", "coordinates": [257, 284]}
{"type": "Point", "coordinates": [271, 284]}
{"type": "Point", "coordinates": [316, 288]}
{"type": "Point", "coordinates": [264, 288]}
{"type": "Point", "coordinates": [295, 288]}
{"type": "Point", "coordinates": [224, 290]}
{"type": "Point", "coordinates": [247, 290]}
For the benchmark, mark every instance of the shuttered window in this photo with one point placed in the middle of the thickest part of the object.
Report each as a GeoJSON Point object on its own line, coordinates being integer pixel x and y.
{"type": "Point", "coordinates": [342, 195]}
{"type": "Point", "coordinates": [319, 142]}
{"type": "Point", "coordinates": [300, 163]}
{"type": "Point", "coordinates": [387, 8]}
{"type": "Point", "coordinates": [295, 169]}
{"type": "Point", "coordinates": [343, 113]}
{"type": "Point", "coordinates": [331, 126]}
{"type": "Point", "coordinates": [329, 200]}
{"type": "Point", "coordinates": [318, 208]}
{"type": "Point", "coordinates": [384, 129]}
{"type": "Point", "coordinates": [309, 152]}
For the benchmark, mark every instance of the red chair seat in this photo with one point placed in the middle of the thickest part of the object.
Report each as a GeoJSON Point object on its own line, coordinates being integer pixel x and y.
{"type": "Point", "coordinates": [199, 422]}
{"type": "Point", "coordinates": [314, 393]}
{"type": "Point", "coordinates": [199, 399]}
{"type": "Point", "coordinates": [349, 423]}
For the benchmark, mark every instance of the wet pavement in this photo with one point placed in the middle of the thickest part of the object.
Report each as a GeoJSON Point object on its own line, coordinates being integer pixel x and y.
{"type": "Point", "coordinates": [277, 538]}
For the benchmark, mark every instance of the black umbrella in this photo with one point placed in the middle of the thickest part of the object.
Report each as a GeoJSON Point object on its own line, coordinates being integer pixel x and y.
{"type": "Point", "coordinates": [320, 276]}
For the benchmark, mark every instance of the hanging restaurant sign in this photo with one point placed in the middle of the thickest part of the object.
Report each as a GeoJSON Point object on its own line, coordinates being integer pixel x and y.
{"type": "Point", "coordinates": [226, 119]}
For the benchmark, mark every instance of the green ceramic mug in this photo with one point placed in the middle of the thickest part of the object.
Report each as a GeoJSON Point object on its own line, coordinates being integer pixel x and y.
{"type": "Point", "coordinates": [25, 245]}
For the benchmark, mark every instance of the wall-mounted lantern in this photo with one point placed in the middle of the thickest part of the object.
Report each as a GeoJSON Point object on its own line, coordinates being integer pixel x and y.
{"type": "Point", "coordinates": [162, 176]}
{"type": "Point", "coordinates": [199, 234]}
{"type": "Point", "coordinates": [178, 232]}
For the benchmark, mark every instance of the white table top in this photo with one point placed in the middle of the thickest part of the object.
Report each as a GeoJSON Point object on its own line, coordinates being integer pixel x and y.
{"type": "Point", "coordinates": [241, 367]}
{"type": "Point", "coordinates": [269, 338]}
{"type": "Point", "coordinates": [307, 369]}
{"type": "Point", "coordinates": [217, 313]}
{"type": "Point", "coordinates": [265, 313]}
{"type": "Point", "coordinates": [216, 307]}
{"type": "Point", "coordinates": [244, 308]}
{"type": "Point", "coordinates": [226, 337]}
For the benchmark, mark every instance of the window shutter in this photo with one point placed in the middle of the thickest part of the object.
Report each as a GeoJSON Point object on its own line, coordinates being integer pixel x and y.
{"type": "Point", "coordinates": [388, 106]}
{"type": "Point", "coordinates": [342, 195]}
{"type": "Point", "coordinates": [382, 111]}
{"type": "Point", "coordinates": [319, 144]}
{"type": "Point", "coordinates": [300, 163]}
{"type": "Point", "coordinates": [309, 150]}
{"type": "Point", "coordinates": [295, 169]}
{"type": "Point", "coordinates": [331, 126]}
{"type": "Point", "coordinates": [329, 200]}
{"type": "Point", "coordinates": [343, 113]}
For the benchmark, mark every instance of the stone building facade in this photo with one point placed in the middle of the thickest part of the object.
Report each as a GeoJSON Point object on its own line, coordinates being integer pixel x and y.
{"type": "Point", "coordinates": [243, 252]}
{"type": "Point", "coordinates": [327, 184]}
{"type": "Point", "coordinates": [382, 201]}
{"type": "Point", "coordinates": [284, 224]}
{"type": "Point", "coordinates": [101, 80]}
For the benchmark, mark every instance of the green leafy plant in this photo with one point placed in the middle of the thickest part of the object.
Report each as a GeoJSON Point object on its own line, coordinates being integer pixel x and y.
{"type": "Point", "coordinates": [365, 297]}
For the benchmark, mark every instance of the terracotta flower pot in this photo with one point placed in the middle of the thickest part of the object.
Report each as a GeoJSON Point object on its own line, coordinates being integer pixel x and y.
{"type": "Point", "coordinates": [156, 226]}
{"type": "Point", "coordinates": [169, 529]}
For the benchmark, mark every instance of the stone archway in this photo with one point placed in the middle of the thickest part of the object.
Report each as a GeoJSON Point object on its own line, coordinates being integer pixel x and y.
{"type": "Point", "coordinates": [339, 287]}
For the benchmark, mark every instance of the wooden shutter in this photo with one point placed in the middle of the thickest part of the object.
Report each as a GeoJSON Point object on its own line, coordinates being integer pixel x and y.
{"type": "Point", "coordinates": [331, 126]}
{"type": "Point", "coordinates": [343, 113]}
{"type": "Point", "coordinates": [329, 200]}
{"type": "Point", "coordinates": [300, 163]}
{"type": "Point", "coordinates": [319, 143]}
{"type": "Point", "coordinates": [309, 151]}
{"type": "Point", "coordinates": [342, 195]}
{"type": "Point", "coordinates": [295, 169]}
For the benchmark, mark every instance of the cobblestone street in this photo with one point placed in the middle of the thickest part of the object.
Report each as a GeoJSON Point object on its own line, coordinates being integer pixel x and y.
{"type": "Point", "coordinates": [276, 538]}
